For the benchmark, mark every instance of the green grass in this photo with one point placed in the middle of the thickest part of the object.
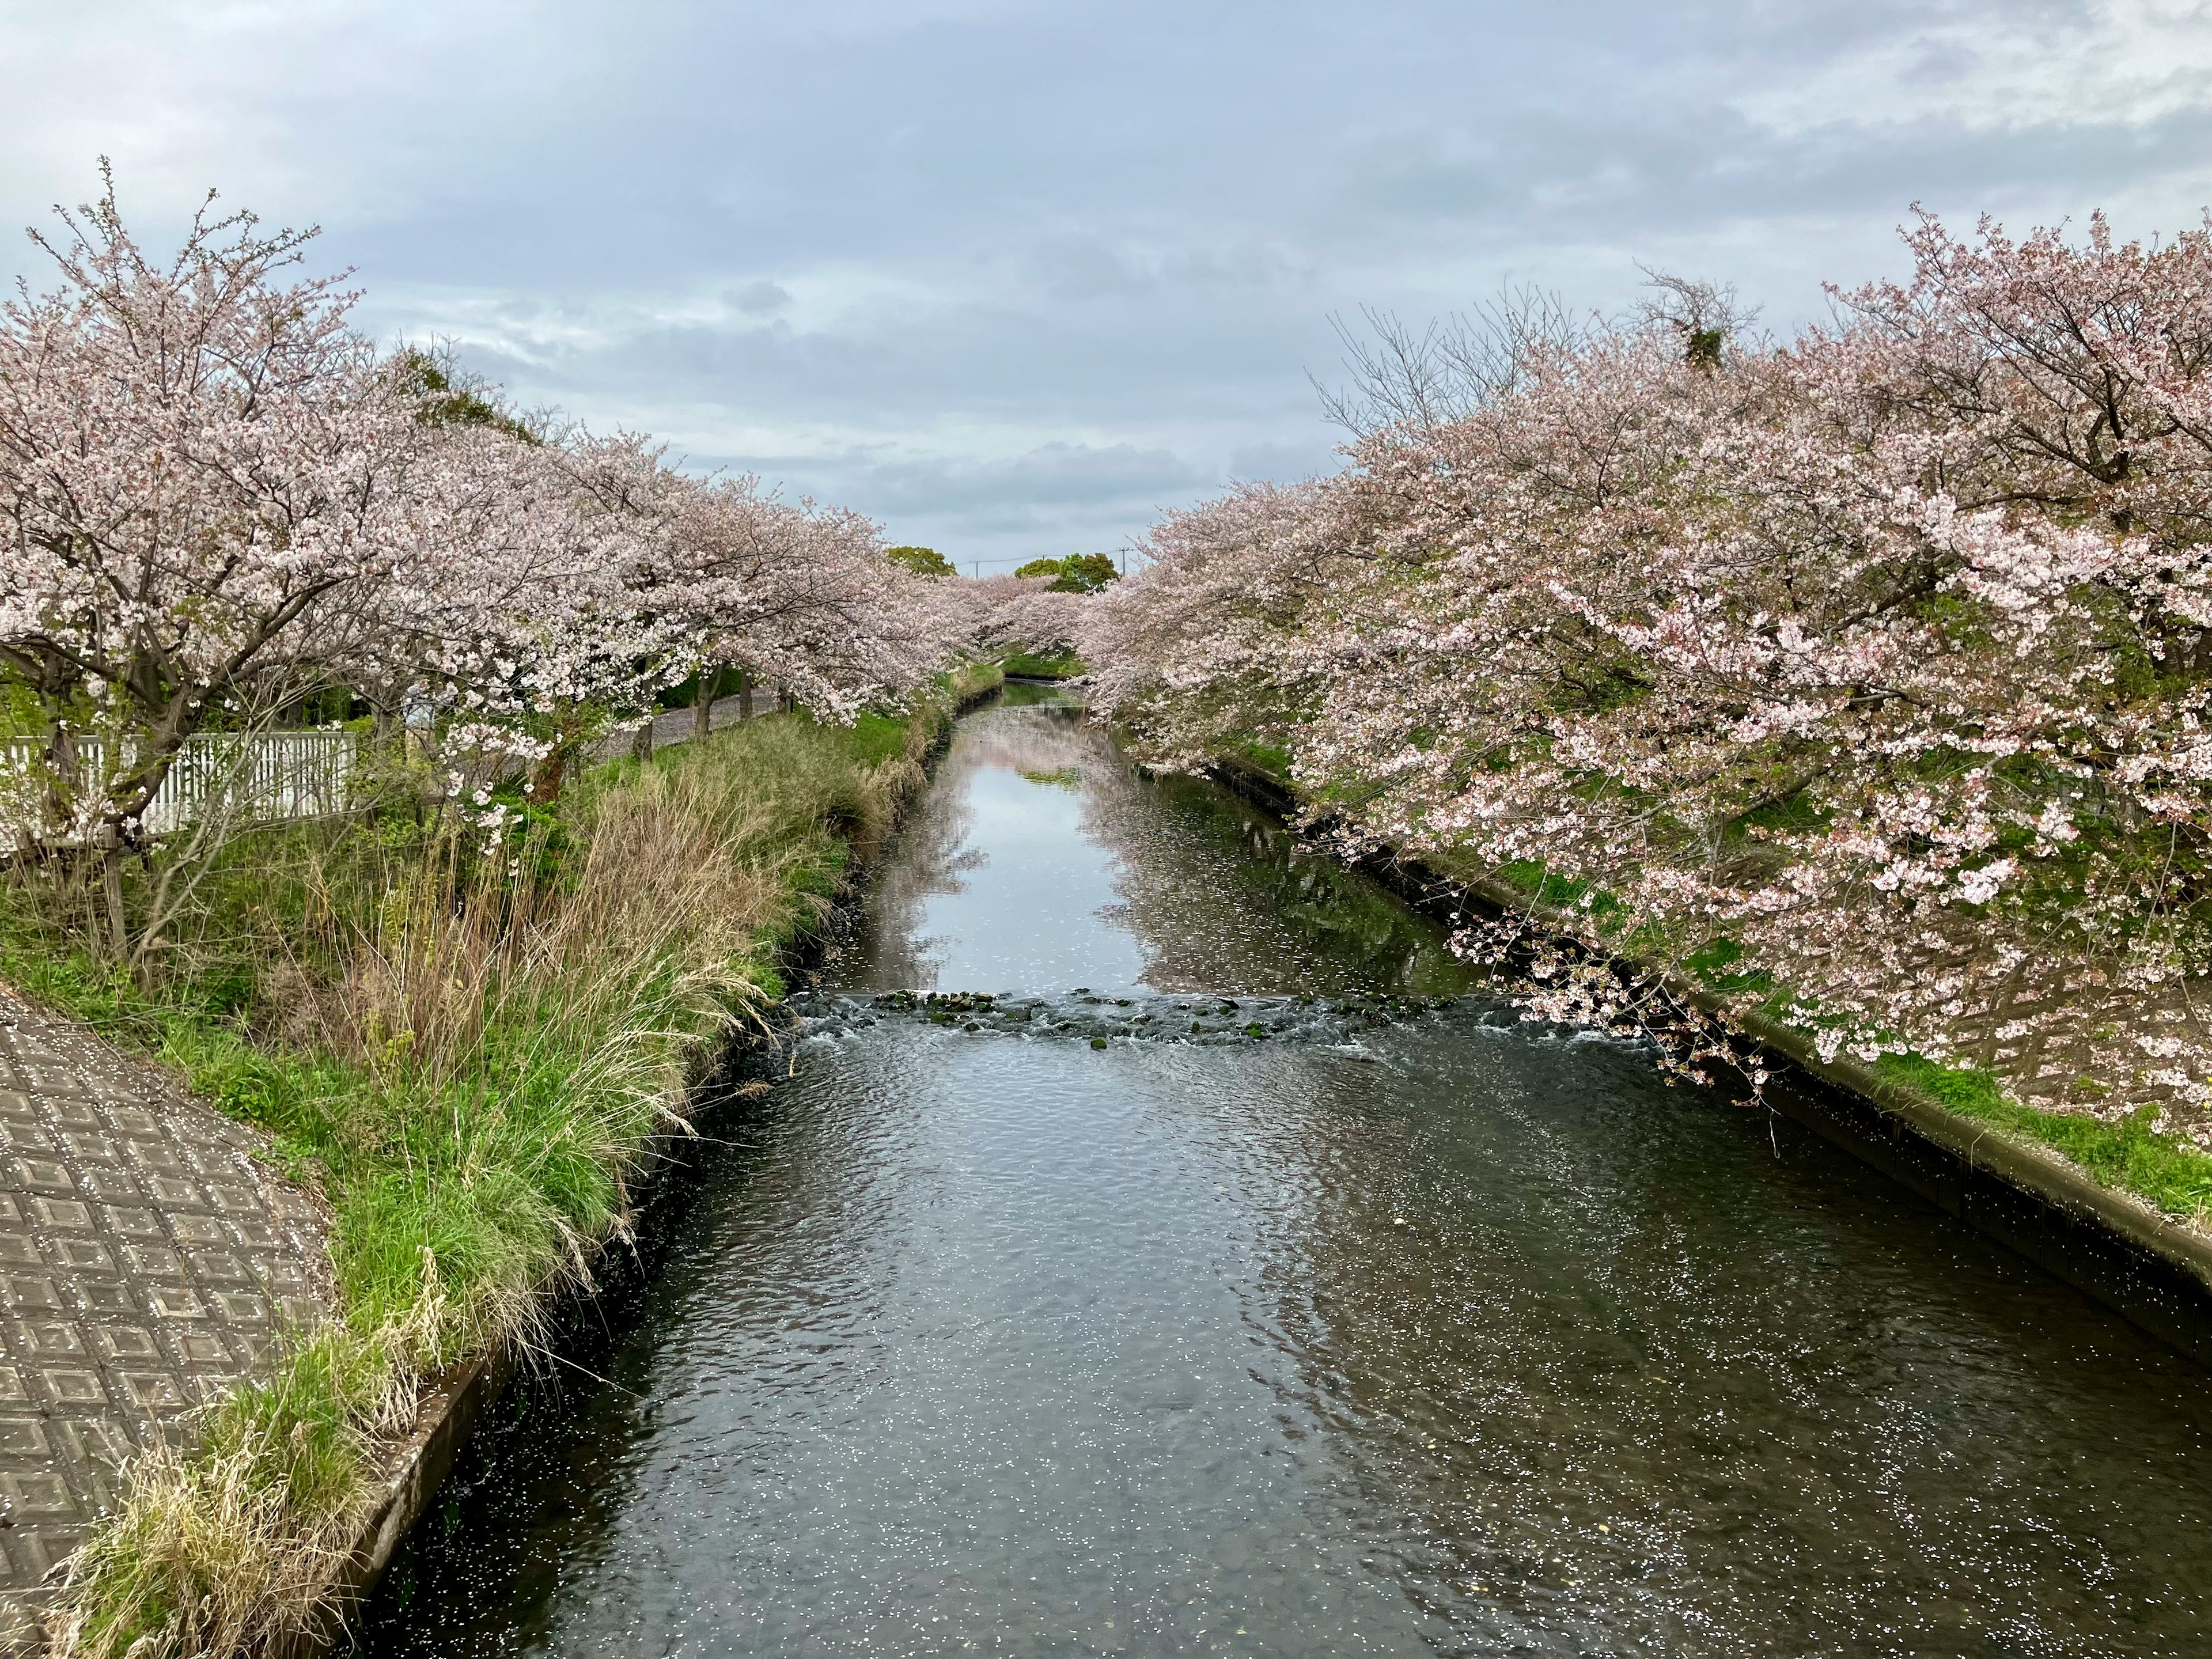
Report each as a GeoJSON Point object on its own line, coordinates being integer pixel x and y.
{"type": "Point", "coordinates": [872, 739]}
{"type": "Point", "coordinates": [1533, 879]}
{"type": "Point", "coordinates": [2127, 1154]}
{"type": "Point", "coordinates": [1712, 962]}
{"type": "Point", "coordinates": [960, 686]}
{"type": "Point", "coordinates": [179, 1570]}
{"type": "Point", "coordinates": [1024, 665]}
{"type": "Point", "coordinates": [1275, 761]}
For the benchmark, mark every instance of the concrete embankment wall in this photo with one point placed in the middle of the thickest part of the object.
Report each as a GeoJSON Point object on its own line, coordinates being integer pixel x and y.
{"type": "Point", "coordinates": [2153, 1270]}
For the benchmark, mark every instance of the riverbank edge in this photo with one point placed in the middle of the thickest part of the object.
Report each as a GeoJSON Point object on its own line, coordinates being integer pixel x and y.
{"type": "Point", "coordinates": [1031, 669]}
{"type": "Point", "coordinates": [2153, 1271]}
{"type": "Point", "coordinates": [455, 1404]}
{"type": "Point", "coordinates": [451, 1406]}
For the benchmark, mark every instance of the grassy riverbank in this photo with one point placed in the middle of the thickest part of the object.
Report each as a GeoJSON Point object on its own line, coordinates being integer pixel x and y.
{"type": "Point", "coordinates": [470, 1053]}
{"type": "Point", "coordinates": [1029, 665]}
{"type": "Point", "coordinates": [2131, 1154]}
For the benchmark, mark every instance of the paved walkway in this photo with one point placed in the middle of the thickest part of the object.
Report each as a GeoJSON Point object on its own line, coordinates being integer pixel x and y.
{"type": "Point", "coordinates": [147, 1259]}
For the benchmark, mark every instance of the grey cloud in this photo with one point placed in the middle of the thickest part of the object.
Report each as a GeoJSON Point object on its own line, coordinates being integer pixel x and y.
{"type": "Point", "coordinates": [1051, 480]}
{"type": "Point", "coordinates": [1286, 462]}
{"type": "Point", "coordinates": [1085, 268]}
{"type": "Point", "coordinates": [1041, 267]}
{"type": "Point", "coordinates": [760, 298]}
{"type": "Point", "coordinates": [1058, 497]}
{"type": "Point", "coordinates": [1058, 475]}
{"type": "Point", "coordinates": [1559, 177]}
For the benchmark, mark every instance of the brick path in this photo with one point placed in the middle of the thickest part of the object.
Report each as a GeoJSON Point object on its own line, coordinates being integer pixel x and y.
{"type": "Point", "coordinates": [146, 1261]}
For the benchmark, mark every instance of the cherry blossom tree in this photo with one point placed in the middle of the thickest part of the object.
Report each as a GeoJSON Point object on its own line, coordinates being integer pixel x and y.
{"type": "Point", "coordinates": [534, 613]}
{"type": "Point", "coordinates": [805, 597]}
{"type": "Point", "coordinates": [196, 460]}
{"type": "Point", "coordinates": [1863, 676]}
{"type": "Point", "coordinates": [600, 575]}
{"type": "Point", "coordinates": [1025, 614]}
{"type": "Point", "coordinates": [218, 496]}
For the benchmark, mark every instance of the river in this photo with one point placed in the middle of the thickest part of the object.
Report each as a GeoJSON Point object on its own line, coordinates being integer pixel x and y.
{"type": "Point", "coordinates": [1238, 1276]}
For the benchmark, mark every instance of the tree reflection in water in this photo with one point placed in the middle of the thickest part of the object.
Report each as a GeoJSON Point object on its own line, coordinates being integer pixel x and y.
{"type": "Point", "coordinates": [1183, 888]}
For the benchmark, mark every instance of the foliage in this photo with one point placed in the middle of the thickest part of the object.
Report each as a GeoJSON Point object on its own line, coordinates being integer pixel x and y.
{"type": "Point", "coordinates": [472, 1054]}
{"type": "Point", "coordinates": [197, 462]}
{"type": "Point", "coordinates": [1883, 653]}
{"type": "Point", "coordinates": [1078, 572]}
{"type": "Point", "coordinates": [1025, 616]}
{"type": "Point", "coordinates": [445, 396]}
{"type": "Point", "coordinates": [922, 561]}
{"type": "Point", "coordinates": [222, 501]}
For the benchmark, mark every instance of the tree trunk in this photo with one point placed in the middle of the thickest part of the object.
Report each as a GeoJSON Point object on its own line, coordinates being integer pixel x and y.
{"type": "Point", "coordinates": [640, 742]}
{"type": "Point", "coordinates": [111, 883]}
{"type": "Point", "coordinates": [545, 781]}
{"type": "Point", "coordinates": [62, 780]}
{"type": "Point", "coordinates": [745, 695]}
{"type": "Point", "coordinates": [702, 713]}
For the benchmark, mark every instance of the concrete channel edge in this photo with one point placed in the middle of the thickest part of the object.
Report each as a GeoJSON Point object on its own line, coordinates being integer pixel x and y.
{"type": "Point", "coordinates": [448, 1415]}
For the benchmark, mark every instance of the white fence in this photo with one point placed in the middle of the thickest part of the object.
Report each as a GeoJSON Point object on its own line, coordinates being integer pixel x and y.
{"type": "Point", "coordinates": [257, 777]}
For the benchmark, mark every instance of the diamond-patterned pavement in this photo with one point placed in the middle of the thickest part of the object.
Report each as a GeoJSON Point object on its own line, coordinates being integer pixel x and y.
{"type": "Point", "coordinates": [147, 1259]}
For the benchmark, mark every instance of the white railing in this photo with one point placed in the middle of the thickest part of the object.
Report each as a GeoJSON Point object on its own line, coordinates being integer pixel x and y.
{"type": "Point", "coordinates": [259, 777]}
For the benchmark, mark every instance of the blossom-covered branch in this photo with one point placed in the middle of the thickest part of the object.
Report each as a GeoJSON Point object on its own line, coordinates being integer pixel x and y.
{"type": "Point", "coordinates": [1863, 676]}
{"type": "Point", "coordinates": [218, 498]}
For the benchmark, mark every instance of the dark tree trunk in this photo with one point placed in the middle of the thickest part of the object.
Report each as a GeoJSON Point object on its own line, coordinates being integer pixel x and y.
{"type": "Point", "coordinates": [545, 781]}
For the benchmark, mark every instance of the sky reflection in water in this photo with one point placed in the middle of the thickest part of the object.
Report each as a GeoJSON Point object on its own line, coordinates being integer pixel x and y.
{"type": "Point", "coordinates": [1042, 862]}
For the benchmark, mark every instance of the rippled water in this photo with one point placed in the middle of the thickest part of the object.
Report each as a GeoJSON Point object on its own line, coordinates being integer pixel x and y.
{"type": "Point", "coordinates": [1234, 1277]}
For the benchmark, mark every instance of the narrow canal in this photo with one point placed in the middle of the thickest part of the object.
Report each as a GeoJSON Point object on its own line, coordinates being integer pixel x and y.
{"type": "Point", "coordinates": [1196, 1294]}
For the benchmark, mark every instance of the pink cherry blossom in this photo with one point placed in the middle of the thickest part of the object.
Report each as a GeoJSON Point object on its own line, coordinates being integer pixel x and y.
{"type": "Point", "coordinates": [1867, 671]}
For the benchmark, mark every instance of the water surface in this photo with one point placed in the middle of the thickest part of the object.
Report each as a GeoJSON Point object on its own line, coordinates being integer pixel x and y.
{"type": "Point", "coordinates": [1233, 1276]}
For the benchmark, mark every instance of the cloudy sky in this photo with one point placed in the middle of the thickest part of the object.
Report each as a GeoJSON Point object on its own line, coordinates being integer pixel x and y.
{"type": "Point", "coordinates": [1011, 276]}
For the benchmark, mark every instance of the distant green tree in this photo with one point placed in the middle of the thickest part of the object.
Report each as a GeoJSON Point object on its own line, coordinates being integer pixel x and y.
{"type": "Point", "coordinates": [1078, 572]}
{"type": "Point", "coordinates": [445, 397]}
{"type": "Point", "coordinates": [922, 561]}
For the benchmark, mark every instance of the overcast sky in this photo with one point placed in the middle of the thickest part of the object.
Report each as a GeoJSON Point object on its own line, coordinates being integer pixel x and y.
{"type": "Point", "coordinates": [1011, 276]}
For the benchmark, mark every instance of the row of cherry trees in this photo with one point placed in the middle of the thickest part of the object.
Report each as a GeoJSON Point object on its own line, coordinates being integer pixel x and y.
{"type": "Point", "coordinates": [1867, 672]}
{"type": "Point", "coordinates": [217, 497]}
